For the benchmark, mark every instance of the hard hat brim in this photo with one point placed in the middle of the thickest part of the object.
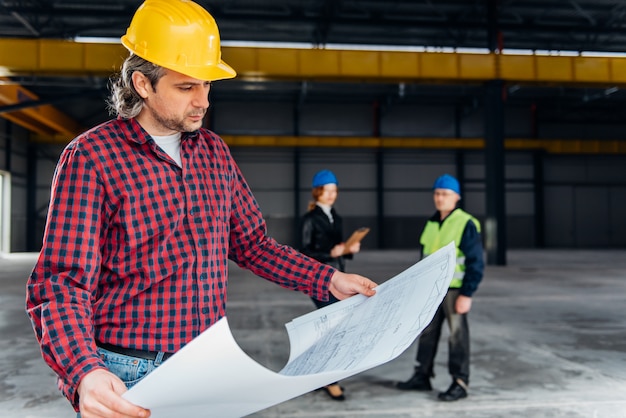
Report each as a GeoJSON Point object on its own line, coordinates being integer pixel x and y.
{"type": "Point", "coordinates": [220, 71]}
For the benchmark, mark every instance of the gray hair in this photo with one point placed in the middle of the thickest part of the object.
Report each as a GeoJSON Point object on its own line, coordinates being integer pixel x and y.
{"type": "Point", "coordinates": [124, 100]}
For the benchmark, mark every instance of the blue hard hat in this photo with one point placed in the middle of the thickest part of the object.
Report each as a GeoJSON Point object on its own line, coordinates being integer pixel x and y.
{"type": "Point", "coordinates": [447, 182]}
{"type": "Point", "coordinates": [324, 177]}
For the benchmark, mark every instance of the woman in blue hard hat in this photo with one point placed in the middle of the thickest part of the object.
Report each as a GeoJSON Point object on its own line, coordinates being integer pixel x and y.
{"type": "Point", "coordinates": [322, 239]}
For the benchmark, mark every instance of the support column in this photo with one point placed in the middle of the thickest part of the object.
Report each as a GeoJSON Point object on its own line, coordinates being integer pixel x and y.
{"type": "Point", "coordinates": [459, 158]}
{"type": "Point", "coordinates": [33, 241]}
{"type": "Point", "coordinates": [495, 222]}
{"type": "Point", "coordinates": [8, 150]}
{"type": "Point", "coordinates": [380, 204]}
{"type": "Point", "coordinates": [538, 182]}
{"type": "Point", "coordinates": [297, 210]}
{"type": "Point", "coordinates": [297, 167]}
{"type": "Point", "coordinates": [380, 181]}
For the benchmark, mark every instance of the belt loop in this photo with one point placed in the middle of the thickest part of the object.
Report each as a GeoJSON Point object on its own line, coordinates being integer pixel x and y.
{"type": "Point", "coordinates": [159, 357]}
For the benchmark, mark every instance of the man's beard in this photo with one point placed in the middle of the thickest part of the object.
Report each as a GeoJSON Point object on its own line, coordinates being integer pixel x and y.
{"type": "Point", "coordinates": [178, 125]}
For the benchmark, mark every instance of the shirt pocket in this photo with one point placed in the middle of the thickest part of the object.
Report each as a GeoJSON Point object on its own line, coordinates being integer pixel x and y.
{"type": "Point", "coordinates": [214, 198]}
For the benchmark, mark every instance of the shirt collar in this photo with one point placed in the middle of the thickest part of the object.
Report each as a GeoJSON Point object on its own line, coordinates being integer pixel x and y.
{"type": "Point", "coordinates": [327, 209]}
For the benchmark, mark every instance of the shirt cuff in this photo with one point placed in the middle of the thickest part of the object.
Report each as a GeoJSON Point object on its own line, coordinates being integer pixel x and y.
{"type": "Point", "coordinates": [320, 289]}
{"type": "Point", "coordinates": [69, 386]}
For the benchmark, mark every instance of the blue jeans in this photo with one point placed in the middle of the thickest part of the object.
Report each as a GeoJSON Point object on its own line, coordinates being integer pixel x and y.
{"type": "Point", "coordinates": [129, 369]}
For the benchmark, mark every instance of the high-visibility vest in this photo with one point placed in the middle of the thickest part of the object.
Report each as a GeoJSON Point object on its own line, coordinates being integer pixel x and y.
{"type": "Point", "coordinates": [433, 238]}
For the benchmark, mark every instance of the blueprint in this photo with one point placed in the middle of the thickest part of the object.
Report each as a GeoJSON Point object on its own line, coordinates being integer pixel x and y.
{"type": "Point", "coordinates": [211, 376]}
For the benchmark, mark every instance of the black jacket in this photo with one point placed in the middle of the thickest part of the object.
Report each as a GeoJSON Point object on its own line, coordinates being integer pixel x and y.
{"type": "Point", "coordinates": [319, 236]}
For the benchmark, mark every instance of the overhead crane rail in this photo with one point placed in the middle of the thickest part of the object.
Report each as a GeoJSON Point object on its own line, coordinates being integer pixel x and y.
{"type": "Point", "coordinates": [59, 57]}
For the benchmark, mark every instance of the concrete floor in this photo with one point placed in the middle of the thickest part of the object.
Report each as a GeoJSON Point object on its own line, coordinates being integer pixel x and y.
{"type": "Point", "coordinates": [548, 340]}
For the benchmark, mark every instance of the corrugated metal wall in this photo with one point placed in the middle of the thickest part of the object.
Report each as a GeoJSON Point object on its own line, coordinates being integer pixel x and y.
{"type": "Point", "coordinates": [388, 189]}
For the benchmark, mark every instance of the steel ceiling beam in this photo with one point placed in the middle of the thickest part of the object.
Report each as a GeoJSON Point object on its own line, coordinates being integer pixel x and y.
{"type": "Point", "coordinates": [65, 58]}
{"type": "Point", "coordinates": [530, 17]}
{"type": "Point", "coordinates": [38, 117]}
{"type": "Point", "coordinates": [550, 146]}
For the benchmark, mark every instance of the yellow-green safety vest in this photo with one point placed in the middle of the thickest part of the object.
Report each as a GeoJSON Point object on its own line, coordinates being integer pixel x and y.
{"type": "Point", "coordinates": [433, 238]}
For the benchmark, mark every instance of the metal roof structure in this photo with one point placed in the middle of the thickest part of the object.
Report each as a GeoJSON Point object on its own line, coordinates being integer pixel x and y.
{"type": "Point", "coordinates": [539, 26]}
{"type": "Point", "coordinates": [576, 25]}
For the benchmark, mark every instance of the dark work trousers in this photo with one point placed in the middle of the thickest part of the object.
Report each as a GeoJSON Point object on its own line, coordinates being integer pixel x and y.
{"type": "Point", "coordinates": [459, 349]}
{"type": "Point", "coordinates": [320, 303]}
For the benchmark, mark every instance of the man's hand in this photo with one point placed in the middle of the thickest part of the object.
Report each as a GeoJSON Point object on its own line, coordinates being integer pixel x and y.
{"type": "Point", "coordinates": [100, 395]}
{"type": "Point", "coordinates": [463, 304]}
{"type": "Point", "coordinates": [343, 285]}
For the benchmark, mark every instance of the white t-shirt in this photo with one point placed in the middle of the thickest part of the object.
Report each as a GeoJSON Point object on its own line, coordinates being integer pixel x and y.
{"type": "Point", "coordinates": [171, 145]}
{"type": "Point", "coordinates": [326, 209]}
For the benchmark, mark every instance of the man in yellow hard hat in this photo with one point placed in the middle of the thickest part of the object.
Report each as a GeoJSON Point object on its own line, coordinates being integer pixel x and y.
{"type": "Point", "coordinates": [144, 214]}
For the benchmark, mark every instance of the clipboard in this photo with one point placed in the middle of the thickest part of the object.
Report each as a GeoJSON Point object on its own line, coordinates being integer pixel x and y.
{"type": "Point", "coordinates": [356, 236]}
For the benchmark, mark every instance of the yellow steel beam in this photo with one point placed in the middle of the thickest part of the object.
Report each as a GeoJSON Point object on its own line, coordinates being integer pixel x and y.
{"type": "Point", "coordinates": [42, 120]}
{"type": "Point", "coordinates": [569, 146]}
{"type": "Point", "coordinates": [28, 123]}
{"type": "Point", "coordinates": [58, 57]}
{"type": "Point", "coordinates": [10, 94]}
{"type": "Point", "coordinates": [46, 56]}
{"type": "Point", "coordinates": [553, 146]}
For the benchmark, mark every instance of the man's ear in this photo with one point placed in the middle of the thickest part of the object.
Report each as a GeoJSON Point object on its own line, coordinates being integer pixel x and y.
{"type": "Point", "coordinates": [142, 84]}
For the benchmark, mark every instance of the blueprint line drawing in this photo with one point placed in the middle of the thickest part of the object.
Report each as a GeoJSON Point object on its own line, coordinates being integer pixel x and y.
{"type": "Point", "coordinates": [213, 377]}
{"type": "Point", "coordinates": [352, 331]}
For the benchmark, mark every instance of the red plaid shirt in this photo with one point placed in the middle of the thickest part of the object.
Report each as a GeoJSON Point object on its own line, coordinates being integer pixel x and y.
{"type": "Point", "coordinates": [136, 248]}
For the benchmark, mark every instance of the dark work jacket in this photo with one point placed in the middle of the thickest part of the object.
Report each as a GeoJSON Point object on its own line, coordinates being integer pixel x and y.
{"type": "Point", "coordinates": [319, 236]}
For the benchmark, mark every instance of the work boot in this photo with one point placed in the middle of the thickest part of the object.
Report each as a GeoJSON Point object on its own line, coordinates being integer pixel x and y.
{"type": "Point", "coordinates": [418, 381]}
{"type": "Point", "coordinates": [457, 390]}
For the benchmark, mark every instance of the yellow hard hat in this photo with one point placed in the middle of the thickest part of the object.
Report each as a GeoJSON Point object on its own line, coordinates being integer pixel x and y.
{"type": "Point", "coordinates": [179, 35]}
